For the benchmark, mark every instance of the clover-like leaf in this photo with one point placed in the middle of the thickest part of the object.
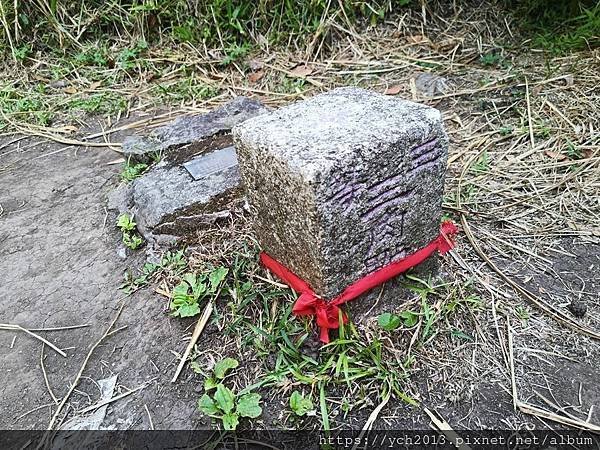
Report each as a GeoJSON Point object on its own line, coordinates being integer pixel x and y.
{"type": "Point", "coordinates": [248, 405]}
{"type": "Point", "coordinates": [126, 222]}
{"type": "Point", "coordinates": [230, 421]}
{"type": "Point", "coordinates": [179, 294]}
{"type": "Point", "coordinates": [300, 404]}
{"type": "Point", "coordinates": [224, 398]}
{"type": "Point", "coordinates": [190, 279]}
{"type": "Point", "coordinates": [216, 277]}
{"type": "Point", "coordinates": [224, 365]}
{"type": "Point", "coordinates": [208, 406]}
{"type": "Point", "coordinates": [199, 289]}
{"type": "Point", "coordinates": [388, 321]}
{"type": "Point", "coordinates": [196, 367]}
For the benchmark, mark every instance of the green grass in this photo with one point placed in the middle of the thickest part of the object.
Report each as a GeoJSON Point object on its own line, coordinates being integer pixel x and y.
{"type": "Point", "coordinates": [171, 266]}
{"type": "Point", "coordinates": [24, 104]}
{"type": "Point", "coordinates": [184, 89]}
{"type": "Point", "coordinates": [103, 103]}
{"type": "Point", "coordinates": [39, 105]}
{"type": "Point", "coordinates": [268, 354]}
{"type": "Point", "coordinates": [227, 24]}
{"type": "Point", "coordinates": [560, 26]}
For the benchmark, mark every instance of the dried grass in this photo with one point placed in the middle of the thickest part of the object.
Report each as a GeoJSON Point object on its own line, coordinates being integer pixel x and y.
{"type": "Point", "coordinates": [523, 180]}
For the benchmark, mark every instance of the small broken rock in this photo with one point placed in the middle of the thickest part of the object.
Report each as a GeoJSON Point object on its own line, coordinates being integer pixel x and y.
{"type": "Point", "coordinates": [122, 253]}
{"type": "Point", "coordinates": [577, 308]}
{"type": "Point", "coordinates": [393, 90]}
{"type": "Point", "coordinates": [301, 71]}
{"type": "Point", "coordinates": [254, 77]}
{"type": "Point", "coordinates": [430, 84]}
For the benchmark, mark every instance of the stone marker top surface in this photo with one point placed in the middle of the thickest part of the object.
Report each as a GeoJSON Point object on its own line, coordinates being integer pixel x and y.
{"type": "Point", "coordinates": [313, 135]}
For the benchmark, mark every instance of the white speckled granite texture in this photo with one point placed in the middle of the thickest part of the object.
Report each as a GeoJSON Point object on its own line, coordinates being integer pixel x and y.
{"type": "Point", "coordinates": [344, 182]}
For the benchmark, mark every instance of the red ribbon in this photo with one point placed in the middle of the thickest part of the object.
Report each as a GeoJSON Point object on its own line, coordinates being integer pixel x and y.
{"type": "Point", "coordinates": [328, 312]}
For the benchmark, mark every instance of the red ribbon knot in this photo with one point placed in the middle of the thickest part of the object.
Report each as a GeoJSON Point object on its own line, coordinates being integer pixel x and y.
{"type": "Point", "coordinates": [328, 313]}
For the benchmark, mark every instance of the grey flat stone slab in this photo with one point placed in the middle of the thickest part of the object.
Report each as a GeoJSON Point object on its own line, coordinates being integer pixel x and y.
{"type": "Point", "coordinates": [344, 182]}
{"type": "Point", "coordinates": [169, 201]}
{"type": "Point", "coordinates": [197, 179]}
{"type": "Point", "coordinates": [186, 130]}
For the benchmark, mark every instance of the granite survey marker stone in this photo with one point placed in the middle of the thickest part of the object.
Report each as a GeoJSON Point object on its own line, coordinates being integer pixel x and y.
{"type": "Point", "coordinates": [344, 183]}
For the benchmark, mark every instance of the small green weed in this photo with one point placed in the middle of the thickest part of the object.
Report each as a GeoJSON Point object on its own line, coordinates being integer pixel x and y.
{"type": "Point", "coordinates": [229, 407]}
{"type": "Point", "coordinates": [542, 129]}
{"type": "Point", "coordinates": [427, 315]}
{"type": "Point", "coordinates": [131, 57]}
{"type": "Point", "coordinates": [491, 59]}
{"type": "Point", "coordinates": [171, 264]}
{"type": "Point", "coordinates": [235, 52]}
{"type": "Point", "coordinates": [22, 53]}
{"type": "Point", "coordinates": [131, 238]}
{"type": "Point", "coordinates": [456, 303]}
{"type": "Point", "coordinates": [572, 151]}
{"type": "Point", "coordinates": [460, 335]}
{"type": "Point", "coordinates": [289, 85]}
{"type": "Point", "coordinates": [301, 405]}
{"type": "Point", "coordinates": [104, 103]}
{"type": "Point", "coordinates": [184, 90]}
{"type": "Point", "coordinates": [482, 164]}
{"type": "Point", "coordinates": [94, 56]}
{"type": "Point", "coordinates": [391, 322]}
{"type": "Point", "coordinates": [220, 372]}
{"type": "Point", "coordinates": [194, 289]}
{"type": "Point", "coordinates": [506, 130]}
{"type": "Point", "coordinates": [132, 284]}
{"type": "Point", "coordinates": [132, 171]}
{"type": "Point", "coordinates": [224, 404]}
{"type": "Point", "coordinates": [522, 314]}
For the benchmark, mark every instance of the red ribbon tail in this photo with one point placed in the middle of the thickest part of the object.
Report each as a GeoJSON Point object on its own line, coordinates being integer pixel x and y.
{"type": "Point", "coordinates": [445, 239]}
{"type": "Point", "coordinates": [324, 335]}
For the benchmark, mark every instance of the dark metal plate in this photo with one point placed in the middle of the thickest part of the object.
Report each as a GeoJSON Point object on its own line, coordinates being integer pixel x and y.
{"type": "Point", "coordinates": [204, 165]}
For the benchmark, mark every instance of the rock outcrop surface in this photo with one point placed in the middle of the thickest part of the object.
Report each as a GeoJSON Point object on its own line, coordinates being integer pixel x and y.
{"type": "Point", "coordinates": [188, 130]}
{"type": "Point", "coordinates": [197, 178]}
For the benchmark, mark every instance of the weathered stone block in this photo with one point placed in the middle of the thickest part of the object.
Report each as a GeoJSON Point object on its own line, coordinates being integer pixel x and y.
{"type": "Point", "coordinates": [344, 183]}
{"type": "Point", "coordinates": [197, 179]}
{"type": "Point", "coordinates": [169, 201]}
{"type": "Point", "coordinates": [187, 130]}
